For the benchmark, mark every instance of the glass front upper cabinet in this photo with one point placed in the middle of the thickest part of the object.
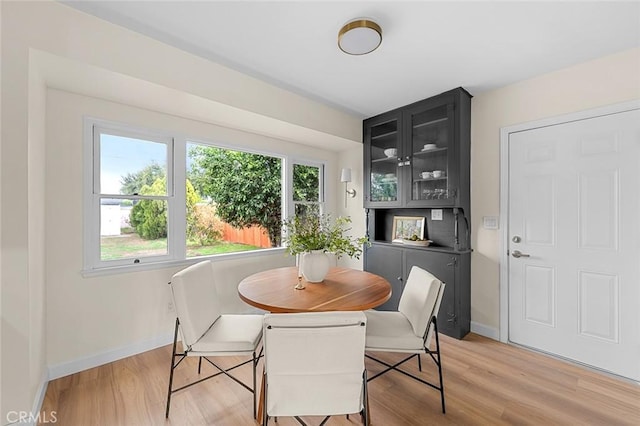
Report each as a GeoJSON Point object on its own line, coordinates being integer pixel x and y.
{"type": "Point", "coordinates": [432, 148]}
{"type": "Point", "coordinates": [382, 159]}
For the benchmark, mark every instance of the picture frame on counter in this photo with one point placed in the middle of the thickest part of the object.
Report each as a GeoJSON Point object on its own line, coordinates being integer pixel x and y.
{"type": "Point", "coordinates": [406, 226]}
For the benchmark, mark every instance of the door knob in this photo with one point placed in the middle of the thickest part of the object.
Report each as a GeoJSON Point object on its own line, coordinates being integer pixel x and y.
{"type": "Point", "coordinates": [518, 253]}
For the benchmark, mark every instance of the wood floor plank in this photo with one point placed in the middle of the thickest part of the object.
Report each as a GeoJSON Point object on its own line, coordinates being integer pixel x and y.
{"type": "Point", "coordinates": [486, 383]}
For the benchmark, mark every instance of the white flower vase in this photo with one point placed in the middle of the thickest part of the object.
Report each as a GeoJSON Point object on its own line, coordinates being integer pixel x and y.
{"type": "Point", "coordinates": [315, 265]}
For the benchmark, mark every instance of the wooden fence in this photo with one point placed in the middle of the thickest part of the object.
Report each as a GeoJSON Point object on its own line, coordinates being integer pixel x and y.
{"type": "Point", "coordinates": [255, 236]}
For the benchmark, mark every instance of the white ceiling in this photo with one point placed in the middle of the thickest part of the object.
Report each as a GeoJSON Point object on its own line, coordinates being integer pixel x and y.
{"type": "Point", "coordinates": [428, 46]}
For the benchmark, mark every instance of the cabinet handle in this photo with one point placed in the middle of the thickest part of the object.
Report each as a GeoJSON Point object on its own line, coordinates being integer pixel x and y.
{"type": "Point", "coordinates": [399, 278]}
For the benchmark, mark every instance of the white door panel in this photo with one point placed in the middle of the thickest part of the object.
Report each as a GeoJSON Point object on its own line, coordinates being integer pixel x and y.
{"type": "Point", "coordinates": [574, 208]}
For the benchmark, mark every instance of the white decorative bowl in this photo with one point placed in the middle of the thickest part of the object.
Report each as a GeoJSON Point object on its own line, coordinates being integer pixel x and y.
{"type": "Point", "coordinates": [391, 152]}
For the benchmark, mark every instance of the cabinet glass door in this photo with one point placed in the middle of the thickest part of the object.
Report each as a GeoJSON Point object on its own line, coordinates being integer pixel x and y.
{"type": "Point", "coordinates": [383, 154]}
{"type": "Point", "coordinates": [432, 147]}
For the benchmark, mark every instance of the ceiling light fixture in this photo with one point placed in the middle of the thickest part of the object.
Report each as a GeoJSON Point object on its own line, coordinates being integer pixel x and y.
{"type": "Point", "coordinates": [359, 37]}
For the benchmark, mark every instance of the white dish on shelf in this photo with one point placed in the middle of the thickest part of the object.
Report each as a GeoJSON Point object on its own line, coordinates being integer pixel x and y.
{"type": "Point", "coordinates": [429, 146]}
{"type": "Point", "coordinates": [421, 243]}
{"type": "Point", "coordinates": [390, 152]}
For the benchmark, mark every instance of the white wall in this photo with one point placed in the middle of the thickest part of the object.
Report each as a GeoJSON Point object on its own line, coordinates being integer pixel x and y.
{"type": "Point", "coordinates": [1, 289]}
{"type": "Point", "coordinates": [1, 316]}
{"type": "Point", "coordinates": [352, 159]}
{"type": "Point", "coordinates": [36, 190]}
{"type": "Point", "coordinates": [91, 319]}
{"type": "Point", "coordinates": [608, 80]}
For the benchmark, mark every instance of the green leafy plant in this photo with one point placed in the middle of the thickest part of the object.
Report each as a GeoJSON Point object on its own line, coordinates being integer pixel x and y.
{"type": "Point", "coordinates": [307, 233]}
{"type": "Point", "coordinates": [204, 227]}
{"type": "Point", "coordinates": [149, 217]}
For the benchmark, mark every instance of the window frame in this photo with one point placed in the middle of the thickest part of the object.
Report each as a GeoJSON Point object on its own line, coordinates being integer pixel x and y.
{"type": "Point", "coordinates": [176, 195]}
{"type": "Point", "coordinates": [321, 182]}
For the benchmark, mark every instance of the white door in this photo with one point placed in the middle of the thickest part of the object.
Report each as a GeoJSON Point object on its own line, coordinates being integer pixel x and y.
{"type": "Point", "coordinates": [574, 208]}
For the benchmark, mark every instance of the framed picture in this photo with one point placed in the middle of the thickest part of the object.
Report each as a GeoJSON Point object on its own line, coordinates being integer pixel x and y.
{"type": "Point", "coordinates": [406, 226]}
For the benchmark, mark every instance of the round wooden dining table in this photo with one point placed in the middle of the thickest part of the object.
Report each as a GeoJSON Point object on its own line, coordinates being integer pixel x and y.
{"type": "Point", "coordinates": [343, 289]}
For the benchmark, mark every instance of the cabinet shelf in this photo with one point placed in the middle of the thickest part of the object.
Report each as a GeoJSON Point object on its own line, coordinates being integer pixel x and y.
{"type": "Point", "coordinates": [429, 123]}
{"type": "Point", "coordinates": [429, 179]}
{"type": "Point", "coordinates": [429, 151]}
{"type": "Point", "coordinates": [385, 160]}
{"type": "Point", "coordinates": [431, 247]}
{"type": "Point", "coordinates": [384, 135]}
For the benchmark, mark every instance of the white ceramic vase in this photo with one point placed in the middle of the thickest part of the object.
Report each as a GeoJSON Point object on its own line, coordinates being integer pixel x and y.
{"type": "Point", "coordinates": [315, 265]}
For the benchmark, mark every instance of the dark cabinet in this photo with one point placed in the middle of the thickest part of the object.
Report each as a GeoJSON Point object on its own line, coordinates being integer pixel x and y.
{"type": "Point", "coordinates": [416, 164]}
{"type": "Point", "coordinates": [388, 263]}
{"type": "Point", "coordinates": [394, 264]}
{"type": "Point", "coordinates": [418, 155]}
{"type": "Point", "coordinates": [454, 318]}
{"type": "Point", "coordinates": [382, 160]}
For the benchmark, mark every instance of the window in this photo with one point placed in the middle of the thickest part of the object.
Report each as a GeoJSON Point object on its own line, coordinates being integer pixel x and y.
{"type": "Point", "coordinates": [307, 189]}
{"type": "Point", "coordinates": [234, 200]}
{"type": "Point", "coordinates": [130, 196]}
{"type": "Point", "coordinates": [158, 198]}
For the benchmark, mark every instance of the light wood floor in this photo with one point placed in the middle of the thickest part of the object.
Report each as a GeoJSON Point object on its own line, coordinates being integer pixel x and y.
{"type": "Point", "coordinates": [486, 383]}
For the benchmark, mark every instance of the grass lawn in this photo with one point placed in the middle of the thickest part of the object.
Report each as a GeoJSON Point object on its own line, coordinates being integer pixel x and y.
{"type": "Point", "coordinates": [131, 245]}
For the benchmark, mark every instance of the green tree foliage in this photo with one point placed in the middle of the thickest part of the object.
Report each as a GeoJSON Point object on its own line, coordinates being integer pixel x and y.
{"type": "Point", "coordinates": [305, 183]}
{"type": "Point", "coordinates": [203, 225]}
{"type": "Point", "coordinates": [246, 188]}
{"type": "Point", "coordinates": [149, 217]}
{"type": "Point", "coordinates": [132, 183]}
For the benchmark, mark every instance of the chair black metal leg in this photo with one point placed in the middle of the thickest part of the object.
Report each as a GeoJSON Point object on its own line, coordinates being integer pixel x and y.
{"type": "Point", "coordinates": [365, 402]}
{"type": "Point", "coordinates": [389, 366]}
{"type": "Point", "coordinates": [173, 357]}
{"type": "Point", "coordinates": [255, 364]}
{"type": "Point", "coordinates": [265, 416]}
{"type": "Point", "coordinates": [436, 359]}
{"type": "Point", "coordinates": [254, 360]}
{"type": "Point", "coordinates": [435, 326]}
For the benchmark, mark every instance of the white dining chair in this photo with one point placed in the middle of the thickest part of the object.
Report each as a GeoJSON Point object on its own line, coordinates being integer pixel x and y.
{"type": "Point", "coordinates": [411, 328]}
{"type": "Point", "coordinates": [314, 365]}
{"type": "Point", "coordinates": [207, 332]}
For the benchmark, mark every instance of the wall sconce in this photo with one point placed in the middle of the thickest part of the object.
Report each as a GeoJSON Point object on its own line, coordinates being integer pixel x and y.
{"type": "Point", "coordinates": [345, 177]}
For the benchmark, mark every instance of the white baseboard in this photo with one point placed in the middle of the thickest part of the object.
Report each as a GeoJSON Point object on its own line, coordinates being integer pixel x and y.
{"type": "Point", "coordinates": [81, 364]}
{"type": "Point", "coordinates": [485, 330]}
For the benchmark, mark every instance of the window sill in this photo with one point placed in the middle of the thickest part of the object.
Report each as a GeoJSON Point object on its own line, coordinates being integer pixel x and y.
{"type": "Point", "coordinates": [126, 269]}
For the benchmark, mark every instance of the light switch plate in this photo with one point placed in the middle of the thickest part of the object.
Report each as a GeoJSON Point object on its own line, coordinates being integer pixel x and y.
{"type": "Point", "coordinates": [436, 214]}
{"type": "Point", "coordinates": [490, 222]}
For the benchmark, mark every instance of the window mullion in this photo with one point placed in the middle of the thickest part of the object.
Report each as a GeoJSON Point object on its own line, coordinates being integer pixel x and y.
{"type": "Point", "coordinates": [177, 203]}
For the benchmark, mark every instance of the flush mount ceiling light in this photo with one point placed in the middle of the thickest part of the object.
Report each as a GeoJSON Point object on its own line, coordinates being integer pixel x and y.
{"type": "Point", "coordinates": [359, 37]}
